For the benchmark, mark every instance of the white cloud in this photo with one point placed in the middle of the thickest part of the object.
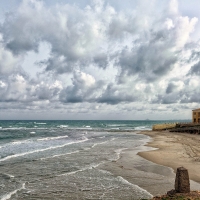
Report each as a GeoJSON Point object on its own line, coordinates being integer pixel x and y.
{"type": "Point", "coordinates": [184, 27]}
{"type": "Point", "coordinates": [66, 55]}
{"type": "Point", "coordinates": [169, 23]}
{"type": "Point", "coordinates": [85, 79]}
{"type": "Point", "coordinates": [173, 7]}
{"type": "Point", "coordinates": [7, 60]}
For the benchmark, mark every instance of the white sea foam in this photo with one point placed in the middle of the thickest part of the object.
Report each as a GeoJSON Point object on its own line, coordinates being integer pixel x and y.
{"type": "Point", "coordinates": [105, 172]}
{"type": "Point", "coordinates": [118, 152]}
{"type": "Point", "coordinates": [39, 123]}
{"type": "Point", "coordinates": [40, 128]}
{"type": "Point", "coordinates": [86, 148]}
{"type": "Point", "coordinates": [15, 143]}
{"type": "Point", "coordinates": [133, 185]}
{"type": "Point", "coordinates": [83, 128]}
{"type": "Point", "coordinates": [32, 132]}
{"type": "Point", "coordinates": [70, 173]}
{"type": "Point", "coordinates": [62, 126]}
{"type": "Point", "coordinates": [124, 181]}
{"type": "Point", "coordinates": [40, 150]}
{"type": "Point", "coordinates": [52, 138]}
{"type": "Point", "coordinates": [8, 175]}
{"type": "Point", "coordinates": [92, 166]}
{"type": "Point", "coordinates": [82, 138]}
{"type": "Point", "coordinates": [140, 128]}
{"type": "Point", "coordinates": [9, 195]}
{"type": "Point", "coordinates": [99, 143]}
{"type": "Point", "coordinates": [64, 154]}
{"type": "Point", "coordinates": [18, 142]}
{"type": "Point", "coordinates": [112, 125]}
{"type": "Point", "coordinates": [102, 142]}
{"type": "Point", "coordinates": [14, 128]}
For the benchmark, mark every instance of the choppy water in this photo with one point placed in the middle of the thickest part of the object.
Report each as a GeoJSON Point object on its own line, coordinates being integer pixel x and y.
{"type": "Point", "coordinates": [63, 159]}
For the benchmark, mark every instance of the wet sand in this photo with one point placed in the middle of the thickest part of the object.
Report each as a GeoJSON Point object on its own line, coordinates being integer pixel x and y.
{"type": "Point", "coordinates": [175, 150]}
{"type": "Point", "coordinates": [141, 172]}
{"type": "Point", "coordinates": [152, 167]}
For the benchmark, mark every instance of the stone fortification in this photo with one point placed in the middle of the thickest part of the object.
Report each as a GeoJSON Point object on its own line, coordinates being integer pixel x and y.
{"type": "Point", "coordinates": [160, 127]}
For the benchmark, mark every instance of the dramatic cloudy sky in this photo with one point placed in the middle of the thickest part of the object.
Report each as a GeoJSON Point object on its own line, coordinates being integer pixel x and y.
{"type": "Point", "coordinates": [99, 59]}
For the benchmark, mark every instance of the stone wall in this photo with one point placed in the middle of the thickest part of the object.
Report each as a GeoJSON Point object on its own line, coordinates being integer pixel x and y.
{"type": "Point", "coordinates": [160, 127]}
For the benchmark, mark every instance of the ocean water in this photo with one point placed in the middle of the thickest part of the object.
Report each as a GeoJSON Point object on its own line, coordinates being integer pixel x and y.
{"type": "Point", "coordinates": [72, 160]}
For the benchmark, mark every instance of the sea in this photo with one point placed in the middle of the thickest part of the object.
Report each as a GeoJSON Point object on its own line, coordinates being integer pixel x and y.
{"type": "Point", "coordinates": [76, 160]}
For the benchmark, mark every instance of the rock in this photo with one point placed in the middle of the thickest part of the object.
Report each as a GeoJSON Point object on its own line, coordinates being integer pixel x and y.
{"type": "Point", "coordinates": [171, 192]}
{"type": "Point", "coordinates": [182, 181]}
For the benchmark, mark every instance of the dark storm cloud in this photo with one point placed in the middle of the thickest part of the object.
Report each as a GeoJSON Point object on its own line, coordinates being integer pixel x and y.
{"type": "Point", "coordinates": [172, 95]}
{"type": "Point", "coordinates": [121, 25]}
{"type": "Point", "coordinates": [170, 88]}
{"type": "Point", "coordinates": [195, 53]}
{"type": "Point", "coordinates": [170, 98]}
{"type": "Point", "coordinates": [19, 87]}
{"type": "Point", "coordinates": [152, 59]}
{"type": "Point", "coordinates": [101, 60]}
{"type": "Point", "coordinates": [191, 96]}
{"type": "Point", "coordinates": [113, 95]}
{"type": "Point", "coordinates": [71, 32]}
{"type": "Point", "coordinates": [195, 69]}
{"type": "Point", "coordinates": [79, 38]}
{"type": "Point", "coordinates": [84, 89]}
{"type": "Point", "coordinates": [61, 63]}
{"type": "Point", "coordinates": [18, 33]}
{"type": "Point", "coordinates": [179, 93]}
{"type": "Point", "coordinates": [8, 62]}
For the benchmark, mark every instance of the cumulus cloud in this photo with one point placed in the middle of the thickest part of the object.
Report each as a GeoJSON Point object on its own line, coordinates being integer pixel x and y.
{"type": "Point", "coordinates": [195, 69]}
{"type": "Point", "coordinates": [7, 60]}
{"type": "Point", "coordinates": [114, 95]}
{"type": "Point", "coordinates": [147, 49]}
{"type": "Point", "coordinates": [74, 34]}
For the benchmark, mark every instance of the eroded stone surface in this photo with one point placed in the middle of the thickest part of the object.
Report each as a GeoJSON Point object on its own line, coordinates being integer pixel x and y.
{"type": "Point", "coordinates": [182, 181]}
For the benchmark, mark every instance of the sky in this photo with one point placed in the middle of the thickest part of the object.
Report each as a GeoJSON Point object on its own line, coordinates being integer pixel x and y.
{"type": "Point", "coordinates": [99, 59]}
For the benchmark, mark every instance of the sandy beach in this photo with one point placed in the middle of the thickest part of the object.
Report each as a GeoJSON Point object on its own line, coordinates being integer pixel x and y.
{"type": "Point", "coordinates": [154, 169]}
{"type": "Point", "coordinates": [175, 150]}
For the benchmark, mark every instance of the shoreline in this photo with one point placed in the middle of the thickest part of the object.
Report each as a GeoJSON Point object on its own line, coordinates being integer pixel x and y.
{"type": "Point", "coordinates": [174, 150]}
{"type": "Point", "coordinates": [140, 165]}
{"type": "Point", "coordinates": [149, 176]}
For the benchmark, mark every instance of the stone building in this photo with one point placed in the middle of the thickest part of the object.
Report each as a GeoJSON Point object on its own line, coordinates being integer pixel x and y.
{"type": "Point", "coordinates": [196, 115]}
